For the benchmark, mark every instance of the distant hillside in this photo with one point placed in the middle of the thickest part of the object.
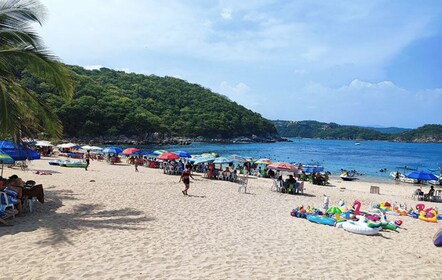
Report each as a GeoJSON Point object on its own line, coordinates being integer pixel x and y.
{"type": "Point", "coordinates": [314, 129]}
{"type": "Point", "coordinates": [388, 130]}
{"type": "Point", "coordinates": [113, 103]}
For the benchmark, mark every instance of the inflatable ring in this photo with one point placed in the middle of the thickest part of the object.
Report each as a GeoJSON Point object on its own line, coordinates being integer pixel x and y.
{"type": "Point", "coordinates": [437, 239]}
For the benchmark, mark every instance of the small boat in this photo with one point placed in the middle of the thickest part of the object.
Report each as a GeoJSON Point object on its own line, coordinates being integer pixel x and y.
{"type": "Point", "coordinates": [75, 164]}
{"type": "Point", "coordinates": [349, 175]}
{"type": "Point", "coordinates": [357, 143]}
{"type": "Point", "coordinates": [55, 162]}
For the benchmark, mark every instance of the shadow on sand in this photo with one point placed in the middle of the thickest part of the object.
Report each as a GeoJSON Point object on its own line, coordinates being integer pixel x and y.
{"type": "Point", "coordinates": [80, 218]}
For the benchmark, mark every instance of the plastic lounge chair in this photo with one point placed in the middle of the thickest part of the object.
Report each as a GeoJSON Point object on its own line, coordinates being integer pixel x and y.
{"type": "Point", "coordinates": [300, 188]}
{"type": "Point", "coordinates": [243, 181]}
{"type": "Point", "coordinates": [5, 203]}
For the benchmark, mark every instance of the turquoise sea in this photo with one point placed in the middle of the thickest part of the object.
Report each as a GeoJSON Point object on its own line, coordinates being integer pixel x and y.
{"type": "Point", "coordinates": [368, 157]}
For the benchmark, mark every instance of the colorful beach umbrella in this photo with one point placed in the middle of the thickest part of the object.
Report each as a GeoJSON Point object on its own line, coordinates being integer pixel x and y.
{"type": "Point", "coordinates": [168, 156]}
{"type": "Point", "coordinates": [264, 161]}
{"type": "Point", "coordinates": [182, 154]}
{"type": "Point", "coordinates": [18, 152]}
{"type": "Point", "coordinates": [159, 152]}
{"type": "Point", "coordinates": [283, 166]}
{"type": "Point", "coordinates": [112, 150]}
{"type": "Point", "coordinates": [130, 151]}
{"type": "Point", "coordinates": [4, 158]}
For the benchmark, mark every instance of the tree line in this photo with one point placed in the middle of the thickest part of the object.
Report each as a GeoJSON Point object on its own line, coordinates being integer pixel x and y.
{"type": "Point", "coordinates": [315, 129]}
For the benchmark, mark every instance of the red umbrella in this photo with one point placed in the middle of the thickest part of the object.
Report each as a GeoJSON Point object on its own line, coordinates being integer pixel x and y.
{"type": "Point", "coordinates": [130, 151]}
{"type": "Point", "coordinates": [168, 156]}
{"type": "Point", "coordinates": [283, 166]}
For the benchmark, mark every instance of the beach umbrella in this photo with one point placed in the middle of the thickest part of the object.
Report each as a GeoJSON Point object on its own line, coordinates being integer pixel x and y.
{"type": "Point", "coordinates": [263, 161]}
{"type": "Point", "coordinates": [334, 210]}
{"type": "Point", "coordinates": [168, 156]}
{"type": "Point", "coordinates": [18, 152]}
{"type": "Point", "coordinates": [86, 147]}
{"type": "Point", "coordinates": [130, 151]}
{"type": "Point", "coordinates": [69, 146]}
{"type": "Point", "coordinates": [222, 160]}
{"type": "Point", "coordinates": [112, 150]}
{"type": "Point", "coordinates": [283, 166]}
{"type": "Point", "coordinates": [43, 144]}
{"type": "Point", "coordinates": [421, 175]}
{"type": "Point", "coordinates": [237, 158]}
{"type": "Point", "coordinates": [204, 160]}
{"type": "Point", "coordinates": [144, 152]}
{"type": "Point", "coordinates": [182, 154]}
{"type": "Point", "coordinates": [159, 152]}
{"type": "Point", "coordinates": [5, 158]}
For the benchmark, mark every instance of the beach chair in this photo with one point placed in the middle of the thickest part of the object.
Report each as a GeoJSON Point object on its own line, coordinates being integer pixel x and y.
{"type": "Point", "coordinates": [277, 186]}
{"type": "Point", "coordinates": [300, 188]}
{"type": "Point", "coordinates": [5, 203]}
{"type": "Point", "coordinates": [243, 181]}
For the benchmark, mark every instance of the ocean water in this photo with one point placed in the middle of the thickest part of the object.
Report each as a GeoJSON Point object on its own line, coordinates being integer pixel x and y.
{"type": "Point", "coordinates": [368, 158]}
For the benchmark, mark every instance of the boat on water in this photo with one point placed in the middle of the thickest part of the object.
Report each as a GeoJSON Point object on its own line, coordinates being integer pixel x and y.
{"type": "Point", "coordinates": [357, 143]}
{"type": "Point", "coordinates": [349, 175]}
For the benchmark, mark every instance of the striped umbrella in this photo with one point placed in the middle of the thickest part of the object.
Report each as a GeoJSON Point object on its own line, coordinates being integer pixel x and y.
{"type": "Point", "coordinates": [282, 166]}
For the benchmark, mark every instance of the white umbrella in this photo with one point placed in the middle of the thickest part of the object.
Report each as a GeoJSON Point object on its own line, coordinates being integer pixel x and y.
{"type": "Point", "coordinates": [43, 143]}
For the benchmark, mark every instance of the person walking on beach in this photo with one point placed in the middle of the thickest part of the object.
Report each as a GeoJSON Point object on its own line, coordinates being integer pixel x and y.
{"type": "Point", "coordinates": [185, 177]}
{"type": "Point", "coordinates": [88, 158]}
{"type": "Point", "coordinates": [136, 164]}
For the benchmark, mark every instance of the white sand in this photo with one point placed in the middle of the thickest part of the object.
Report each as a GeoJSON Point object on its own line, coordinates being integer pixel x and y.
{"type": "Point", "coordinates": [128, 225]}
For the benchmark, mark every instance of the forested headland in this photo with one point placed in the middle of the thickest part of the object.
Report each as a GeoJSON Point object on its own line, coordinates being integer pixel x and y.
{"type": "Point", "coordinates": [315, 129]}
{"type": "Point", "coordinates": [114, 103]}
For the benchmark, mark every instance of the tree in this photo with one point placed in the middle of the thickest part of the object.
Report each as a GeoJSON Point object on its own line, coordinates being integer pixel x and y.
{"type": "Point", "coordinates": [22, 112]}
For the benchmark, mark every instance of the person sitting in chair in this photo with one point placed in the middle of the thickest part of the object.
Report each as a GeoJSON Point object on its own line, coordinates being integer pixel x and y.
{"type": "Point", "coordinates": [430, 193]}
{"type": "Point", "coordinates": [290, 184]}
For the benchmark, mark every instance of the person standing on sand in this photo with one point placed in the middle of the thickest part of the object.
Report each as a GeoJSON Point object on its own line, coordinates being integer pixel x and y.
{"type": "Point", "coordinates": [136, 164]}
{"type": "Point", "coordinates": [185, 177]}
{"type": "Point", "coordinates": [88, 158]}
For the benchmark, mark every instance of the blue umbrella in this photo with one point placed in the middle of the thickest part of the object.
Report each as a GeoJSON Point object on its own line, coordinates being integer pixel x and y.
{"type": "Point", "coordinates": [18, 152]}
{"type": "Point", "coordinates": [182, 154]}
{"type": "Point", "coordinates": [421, 175]}
{"type": "Point", "coordinates": [112, 150]}
{"type": "Point", "coordinates": [144, 153]}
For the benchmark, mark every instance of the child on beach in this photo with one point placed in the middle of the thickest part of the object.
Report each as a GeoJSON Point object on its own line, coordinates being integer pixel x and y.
{"type": "Point", "coordinates": [325, 204]}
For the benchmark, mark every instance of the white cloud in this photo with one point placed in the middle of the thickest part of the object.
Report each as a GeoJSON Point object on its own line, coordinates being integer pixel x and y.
{"type": "Point", "coordinates": [93, 67]}
{"type": "Point", "coordinates": [365, 103]}
{"type": "Point", "coordinates": [226, 14]}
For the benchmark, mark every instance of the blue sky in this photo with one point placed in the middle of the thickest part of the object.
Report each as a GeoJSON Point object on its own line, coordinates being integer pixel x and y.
{"type": "Point", "coordinates": [349, 62]}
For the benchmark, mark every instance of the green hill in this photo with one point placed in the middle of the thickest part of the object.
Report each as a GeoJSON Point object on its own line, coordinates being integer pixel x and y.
{"type": "Point", "coordinates": [112, 103]}
{"type": "Point", "coordinates": [314, 129]}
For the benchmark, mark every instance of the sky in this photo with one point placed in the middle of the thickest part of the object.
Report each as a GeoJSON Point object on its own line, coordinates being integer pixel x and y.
{"type": "Point", "coordinates": [368, 63]}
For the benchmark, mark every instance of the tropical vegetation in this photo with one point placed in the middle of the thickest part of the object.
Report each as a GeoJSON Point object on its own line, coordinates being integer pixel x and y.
{"type": "Point", "coordinates": [315, 129]}
{"type": "Point", "coordinates": [113, 103]}
{"type": "Point", "coordinates": [23, 112]}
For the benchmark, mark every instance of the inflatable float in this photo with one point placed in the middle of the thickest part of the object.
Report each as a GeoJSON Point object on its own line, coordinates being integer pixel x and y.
{"type": "Point", "coordinates": [321, 220]}
{"type": "Point", "coordinates": [359, 227]}
{"type": "Point", "coordinates": [437, 239]}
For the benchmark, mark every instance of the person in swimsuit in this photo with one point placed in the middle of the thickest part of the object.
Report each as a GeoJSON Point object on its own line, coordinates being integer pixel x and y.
{"type": "Point", "coordinates": [185, 177]}
{"type": "Point", "coordinates": [88, 158]}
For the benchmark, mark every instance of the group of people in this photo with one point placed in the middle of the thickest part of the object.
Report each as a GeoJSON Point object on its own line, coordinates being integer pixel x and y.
{"type": "Point", "coordinates": [17, 191]}
{"type": "Point", "coordinates": [289, 185]}
{"type": "Point", "coordinates": [419, 193]}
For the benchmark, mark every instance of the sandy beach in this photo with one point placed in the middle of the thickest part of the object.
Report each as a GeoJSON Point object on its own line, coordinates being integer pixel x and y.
{"type": "Point", "coordinates": [114, 223]}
